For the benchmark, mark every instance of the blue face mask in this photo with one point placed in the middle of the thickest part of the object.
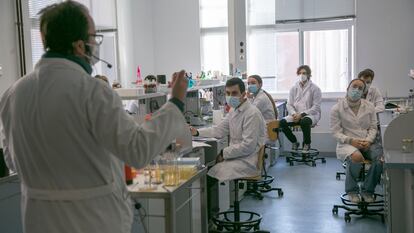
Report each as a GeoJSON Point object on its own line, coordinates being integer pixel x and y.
{"type": "Point", "coordinates": [253, 88]}
{"type": "Point", "coordinates": [233, 101]}
{"type": "Point", "coordinates": [354, 94]}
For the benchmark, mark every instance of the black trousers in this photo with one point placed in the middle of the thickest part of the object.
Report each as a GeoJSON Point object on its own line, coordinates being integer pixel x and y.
{"type": "Point", "coordinates": [305, 124]}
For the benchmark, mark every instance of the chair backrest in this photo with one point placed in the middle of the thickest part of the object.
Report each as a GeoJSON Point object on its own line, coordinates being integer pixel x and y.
{"type": "Point", "coordinates": [272, 132]}
{"type": "Point", "coordinates": [260, 158]}
{"type": "Point", "coordinates": [273, 103]}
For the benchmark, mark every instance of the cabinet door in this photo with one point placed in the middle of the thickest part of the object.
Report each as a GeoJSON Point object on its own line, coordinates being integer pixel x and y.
{"type": "Point", "coordinates": [10, 216]}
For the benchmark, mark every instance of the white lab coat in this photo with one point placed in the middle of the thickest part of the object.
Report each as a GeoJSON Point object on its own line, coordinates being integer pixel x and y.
{"type": "Point", "coordinates": [67, 134]}
{"type": "Point", "coordinates": [245, 126]}
{"type": "Point", "coordinates": [264, 104]}
{"type": "Point", "coordinates": [305, 100]}
{"type": "Point", "coordinates": [345, 125]}
{"type": "Point", "coordinates": [374, 96]}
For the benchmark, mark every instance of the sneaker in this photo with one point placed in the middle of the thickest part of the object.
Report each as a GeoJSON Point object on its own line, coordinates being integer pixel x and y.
{"type": "Point", "coordinates": [306, 147]}
{"type": "Point", "coordinates": [353, 197]}
{"type": "Point", "coordinates": [295, 145]}
{"type": "Point", "coordinates": [368, 197]}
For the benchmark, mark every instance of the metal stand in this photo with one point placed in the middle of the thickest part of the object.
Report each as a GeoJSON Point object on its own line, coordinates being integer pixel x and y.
{"type": "Point", "coordinates": [307, 157]}
{"type": "Point", "coordinates": [362, 208]}
{"type": "Point", "coordinates": [237, 221]}
{"type": "Point", "coordinates": [255, 188]}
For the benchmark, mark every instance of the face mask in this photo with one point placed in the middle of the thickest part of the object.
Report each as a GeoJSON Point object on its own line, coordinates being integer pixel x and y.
{"type": "Point", "coordinates": [354, 94]}
{"type": "Point", "coordinates": [92, 52]}
{"type": "Point", "coordinates": [303, 78]}
{"type": "Point", "coordinates": [233, 101]}
{"type": "Point", "coordinates": [253, 88]}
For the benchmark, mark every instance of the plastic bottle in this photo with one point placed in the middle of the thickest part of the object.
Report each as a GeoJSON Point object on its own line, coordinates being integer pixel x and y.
{"type": "Point", "coordinates": [128, 175]}
{"type": "Point", "coordinates": [139, 77]}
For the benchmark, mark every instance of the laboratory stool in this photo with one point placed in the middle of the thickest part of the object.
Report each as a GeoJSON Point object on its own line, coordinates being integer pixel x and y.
{"type": "Point", "coordinates": [300, 156]}
{"type": "Point", "coordinates": [236, 220]}
{"type": "Point", "coordinates": [262, 183]}
{"type": "Point", "coordinates": [362, 208]}
{"type": "Point", "coordinates": [307, 157]}
{"type": "Point", "coordinates": [339, 174]}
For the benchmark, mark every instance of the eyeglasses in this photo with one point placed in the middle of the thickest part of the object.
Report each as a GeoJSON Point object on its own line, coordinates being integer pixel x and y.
{"type": "Point", "coordinates": [98, 38]}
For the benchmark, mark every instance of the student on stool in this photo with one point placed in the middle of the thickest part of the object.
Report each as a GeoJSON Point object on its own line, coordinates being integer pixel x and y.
{"type": "Point", "coordinates": [354, 125]}
{"type": "Point", "coordinates": [246, 128]}
{"type": "Point", "coordinates": [372, 94]}
{"type": "Point", "coordinates": [304, 107]}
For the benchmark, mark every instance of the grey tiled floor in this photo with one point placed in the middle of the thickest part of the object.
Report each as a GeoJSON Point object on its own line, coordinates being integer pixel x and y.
{"type": "Point", "coordinates": [306, 207]}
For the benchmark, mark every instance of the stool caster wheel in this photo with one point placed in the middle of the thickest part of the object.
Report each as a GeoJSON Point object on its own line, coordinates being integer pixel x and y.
{"type": "Point", "coordinates": [280, 193]}
{"type": "Point", "coordinates": [347, 218]}
{"type": "Point", "coordinates": [290, 163]}
{"type": "Point", "coordinates": [313, 164]}
{"type": "Point", "coordinates": [323, 160]}
{"type": "Point", "coordinates": [335, 210]}
{"type": "Point", "coordinates": [338, 177]}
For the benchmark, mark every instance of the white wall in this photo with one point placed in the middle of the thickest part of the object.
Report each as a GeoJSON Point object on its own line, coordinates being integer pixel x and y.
{"type": "Point", "coordinates": [385, 43]}
{"type": "Point", "coordinates": [136, 41]}
{"type": "Point", "coordinates": [176, 36]}
{"type": "Point", "coordinates": [8, 47]}
{"type": "Point", "coordinates": [161, 36]}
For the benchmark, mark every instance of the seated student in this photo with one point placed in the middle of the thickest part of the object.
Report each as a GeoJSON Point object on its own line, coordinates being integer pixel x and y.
{"type": "Point", "coordinates": [372, 94]}
{"type": "Point", "coordinates": [304, 107]}
{"type": "Point", "coordinates": [245, 126]}
{"type": "Point", "coordinates": [260, 98]}
{"type": "Point", "coordinates": [354, 125]}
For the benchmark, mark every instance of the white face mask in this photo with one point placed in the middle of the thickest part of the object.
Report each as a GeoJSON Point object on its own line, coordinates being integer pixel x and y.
{"type": "Point", "coordinates": [303, 78]}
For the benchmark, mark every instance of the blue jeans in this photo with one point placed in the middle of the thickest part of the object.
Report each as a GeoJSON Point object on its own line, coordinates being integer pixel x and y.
{"type": "Point", "coordinates": [373, 175]}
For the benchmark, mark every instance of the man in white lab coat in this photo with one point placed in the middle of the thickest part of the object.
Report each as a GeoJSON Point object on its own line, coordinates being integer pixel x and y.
{"type": "Point", "coordinates": [67, 134]}
{"type": "Point", "coordinates": [304, 107]}
{"type": "Point", "coordinates": [245, 126]}
{"type": "Point", "coordinates": [354, 125]}
{"type": "Point", "coordinates": [372, 94]}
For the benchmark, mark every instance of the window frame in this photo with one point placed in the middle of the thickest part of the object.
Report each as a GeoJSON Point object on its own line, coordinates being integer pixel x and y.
{"type": "Point", "coordinates": [348, 24]}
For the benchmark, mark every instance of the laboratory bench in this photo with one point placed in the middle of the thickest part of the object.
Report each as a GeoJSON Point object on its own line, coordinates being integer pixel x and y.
{"type": "Point", "coordinates": [173, 209]}
{"type": "Point", "coordinates": [398, 172]}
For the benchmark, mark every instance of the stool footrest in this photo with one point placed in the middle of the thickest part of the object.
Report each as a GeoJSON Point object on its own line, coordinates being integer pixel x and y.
{"type": "Point", "coordinates": [362, 208]}
{"type": "Point", "coordinates": [248, 221]}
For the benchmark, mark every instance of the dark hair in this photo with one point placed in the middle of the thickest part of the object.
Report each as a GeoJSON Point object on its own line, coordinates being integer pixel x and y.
{"type": "Point", "coordinates": [257, 77]}
{"type": "Point", "coordinates": [357, 79]}
{"type": "Point", "coordinates": [236, 81]}
{"type": "Point", "coordinates": [150, 77]}
{"type": "Point", "coordinates": [305, 67]}
{"type": "Point", "coordinates": [366, 73]}
{"type": "Point", "coordinates": [62, 24]}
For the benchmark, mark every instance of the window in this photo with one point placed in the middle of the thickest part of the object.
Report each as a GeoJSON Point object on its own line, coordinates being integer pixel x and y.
{"type": "Point", "coordinates": [274, 51]}
{"type": "Point", "coordinates": [214, 35]}
{"type": "Point", "coordinates": [326, 52]}
{"type": "Point", "coordinates": [36, 40]}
